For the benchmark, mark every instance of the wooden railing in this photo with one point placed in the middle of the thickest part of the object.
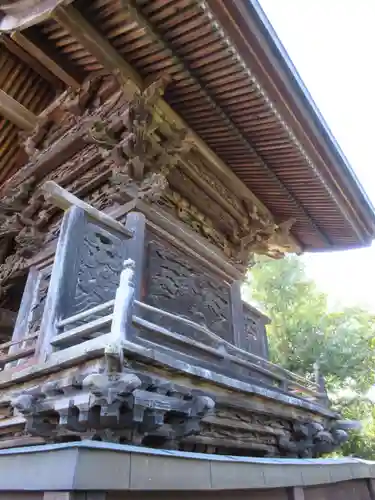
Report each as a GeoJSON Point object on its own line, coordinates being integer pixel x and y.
{"type": "Point", "coordinates": [14, 351]}
{"type": "Point", "coordinates": [118, 317]}
{"type": "Point", "coordinates": [282, 378]}
{"type": "Point", "coordinates": [125, 318]}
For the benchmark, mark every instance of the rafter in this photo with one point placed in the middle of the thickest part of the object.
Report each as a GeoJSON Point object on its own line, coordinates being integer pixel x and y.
{"type": "Point", "coordinates": [16, 113]}
{"type": "Point", "coordinates": [15, 49]}
{"type": "Point", "coordinates": [73, 21]}
{"type": "Point", "coordinates": [50, 66]}
{"type": "Point", "coordinates": [136, 14]}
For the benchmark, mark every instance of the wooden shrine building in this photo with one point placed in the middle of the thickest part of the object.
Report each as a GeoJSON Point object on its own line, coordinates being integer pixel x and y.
{"type": "Point", "coordinates": [148, 150]}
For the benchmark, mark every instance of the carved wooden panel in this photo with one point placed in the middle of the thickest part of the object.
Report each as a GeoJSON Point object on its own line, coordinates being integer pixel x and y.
{"type": "Point", "coordinates": [86, 272]}
{"type": "Point", "coordinates": [178, 284]}
{"type": "Point", "coordinates": [255, 335]}
{"type": "Point", "coordinates": [30, 311]}
{"type": "Point", "coordinates": [32, 304]}
{"type": "Point", "coordinates": [100, 263]}
{"type": "Point", "coordinates": [39, 302]}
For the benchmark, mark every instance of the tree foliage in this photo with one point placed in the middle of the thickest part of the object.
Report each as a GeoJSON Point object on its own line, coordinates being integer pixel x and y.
{"type": "Point", "coordinates": [304, 331]}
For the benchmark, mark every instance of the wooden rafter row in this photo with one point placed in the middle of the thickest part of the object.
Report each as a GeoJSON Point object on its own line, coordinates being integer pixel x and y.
{"type": "Point", "coordinates": [73, 21]}
{"type": "Point", "coordinates": [16, 113]}
{"type": "Point", "coordinates": [144, 23]}
{"type": "Point", "coordinates": [49, 65]}
{"type": "Point", "coordinates": [28, 59]}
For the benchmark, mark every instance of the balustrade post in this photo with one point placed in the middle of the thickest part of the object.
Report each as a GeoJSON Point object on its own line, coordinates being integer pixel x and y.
{"type": "Point", "coordinates": [123, 308]}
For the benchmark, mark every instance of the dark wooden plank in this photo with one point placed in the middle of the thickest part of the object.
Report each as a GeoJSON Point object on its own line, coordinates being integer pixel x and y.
{"type": "Point", "coordinates": [21, 325]}
{"type": "Point", "coordinates": [63, 279]}
{"type": "Point", "coordinates": [13, 45]}
{"type": "Point", "coordinates": [237, 314]}
{"type": "Point", "coordinates": [136, 223]}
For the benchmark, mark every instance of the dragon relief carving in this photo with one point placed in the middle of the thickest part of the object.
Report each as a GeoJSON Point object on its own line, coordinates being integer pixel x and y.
{"type": "Point", "coordinates": [142, 159]}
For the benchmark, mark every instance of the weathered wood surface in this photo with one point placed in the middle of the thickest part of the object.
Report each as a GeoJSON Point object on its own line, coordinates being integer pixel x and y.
{"type": "Point", "coordinates": [175, 343]}
{"type": "Point", "coordinates": [153, 474]}
{"type": "Point", "coordinates": [162, 325]}
{"type": "Point", "coordinates": [90, 142]}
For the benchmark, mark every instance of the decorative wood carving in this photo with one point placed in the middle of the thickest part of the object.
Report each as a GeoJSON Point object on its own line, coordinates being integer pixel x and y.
{"type": "Point", "coordinates": [125, 150]}
{"type": "Point", "coordinates": [196, 165]}
{"type": "Point", "coordinates": [70, 111]}
{"type": "Point", "coordinates": [21, 225]}
{"type": "Point", "coordinates": [101, 262]}
{"type": "Point", "coordinates": [178, 285]}
{"type": "Point", "coordinates": [239, 232]}
{"type": "Point", "coordinates": [142, 159]}
{"type": "Point", "coordinates": [121, 407]}
{"type": "Point", "coordinates": [187, 213]}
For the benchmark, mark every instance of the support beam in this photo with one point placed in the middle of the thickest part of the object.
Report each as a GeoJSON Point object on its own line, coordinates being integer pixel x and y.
{"type": "Point", "coordinates": [51, 67]}
{"type": "Point", "coordinates": [34, 62]}
{"type": "Point", "coordinates": [135, 13]}
{"type": "Point", "coordinates": [73, 21]}
{"type": "Point", "coordinates": [296, 493]}
{"type": "Point", "coordinates": [16, 113]}
{"type": "Point", "coordinates": [63, 199]}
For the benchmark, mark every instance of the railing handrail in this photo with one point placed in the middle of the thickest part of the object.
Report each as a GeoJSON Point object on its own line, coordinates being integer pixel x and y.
{"type": "Point", "coordinates": [251, 361]}
{"type": "Point", "coordinates": [225, 355]}
{"type": "Point", "coordinates": [63, 199]}
{"type": "Point", "coordinates": [215, 337]}
{"type": "Point", "coordinates": [82, 315]}
{"type": "Point", "coordinates": [12, 343]}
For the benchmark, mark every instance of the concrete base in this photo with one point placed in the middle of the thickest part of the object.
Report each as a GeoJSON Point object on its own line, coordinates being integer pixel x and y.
{"type": "Point", "coordinates": [104, 471]}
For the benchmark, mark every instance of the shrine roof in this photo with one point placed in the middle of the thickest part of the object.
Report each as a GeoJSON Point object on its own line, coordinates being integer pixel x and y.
{"type": "Point", "coordinates": [232, 84]}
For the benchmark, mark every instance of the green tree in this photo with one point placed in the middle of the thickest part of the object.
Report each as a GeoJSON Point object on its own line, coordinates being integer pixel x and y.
{"type": "Point", "coordinates": [304, 331]}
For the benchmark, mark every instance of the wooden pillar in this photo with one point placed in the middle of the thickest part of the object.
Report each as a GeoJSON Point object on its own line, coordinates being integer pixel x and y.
{"type": "Point", "coordinates": [296, 493]}
{"type": "Point", "coordinates": [72, 495]}
{"type": "Point", "coordinates": [371, 488]}
{"type": "Point", "coordinates": [63, 279]}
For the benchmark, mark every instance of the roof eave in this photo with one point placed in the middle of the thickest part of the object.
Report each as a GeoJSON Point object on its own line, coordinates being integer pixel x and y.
{"type": "Point", "coordinates": [248, 25]}
{"type": "Point", "coordinates": [300, 88]}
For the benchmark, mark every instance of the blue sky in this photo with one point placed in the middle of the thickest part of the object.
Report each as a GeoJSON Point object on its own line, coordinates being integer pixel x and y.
{"type": "Point", "coordinates": [331, 44]}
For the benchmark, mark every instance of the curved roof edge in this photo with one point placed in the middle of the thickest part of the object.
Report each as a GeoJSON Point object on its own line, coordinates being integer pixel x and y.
{"type": "Point", "coordinates": [260, 16]}
{"type": "Point", "coordinates": [69, 466]}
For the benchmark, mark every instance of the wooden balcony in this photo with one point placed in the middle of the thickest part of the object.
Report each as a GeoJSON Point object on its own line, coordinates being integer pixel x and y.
{"type": "Point", "coordinates": [116, 340]}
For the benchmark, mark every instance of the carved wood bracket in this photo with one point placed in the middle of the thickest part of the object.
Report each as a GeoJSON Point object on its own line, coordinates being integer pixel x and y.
{"type": "Point", "coordinates": [121, 407]}
{"type": "Point", "coordinates": [142, 159]}
{"type": "Point", "coordinates": [21, 230]}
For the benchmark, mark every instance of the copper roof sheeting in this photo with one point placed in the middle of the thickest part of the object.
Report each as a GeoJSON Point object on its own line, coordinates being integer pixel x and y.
{"type": "Point", "coordinates": [233, 87]}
